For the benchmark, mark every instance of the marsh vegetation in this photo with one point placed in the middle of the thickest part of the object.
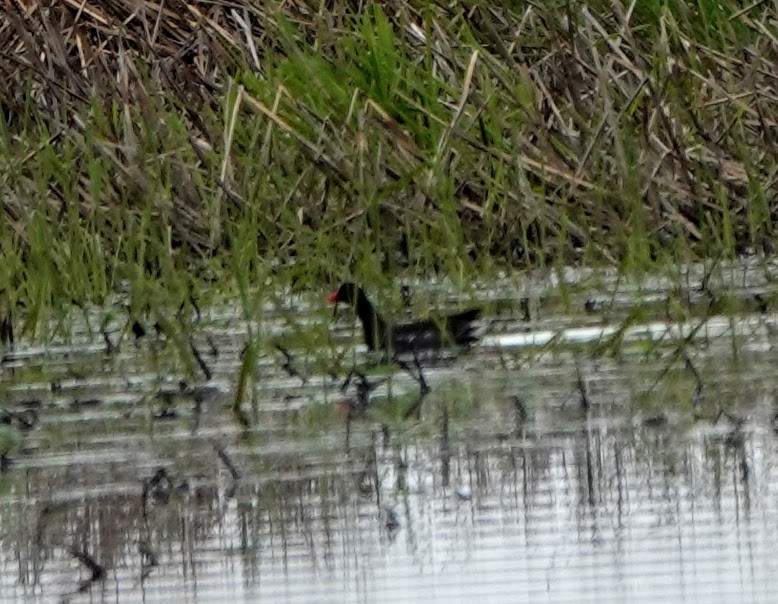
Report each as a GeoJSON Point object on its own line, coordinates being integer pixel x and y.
{"type": "Point", "coordinates": [243, 148]}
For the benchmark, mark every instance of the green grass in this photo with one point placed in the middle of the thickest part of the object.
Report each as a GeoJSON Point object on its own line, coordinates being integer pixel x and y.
{"type": "Point", "coordinates": [405, 140]}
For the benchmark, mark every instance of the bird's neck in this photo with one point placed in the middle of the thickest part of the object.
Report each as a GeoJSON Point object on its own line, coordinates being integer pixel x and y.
{"type": "Point", "coordinates": [373, 325]}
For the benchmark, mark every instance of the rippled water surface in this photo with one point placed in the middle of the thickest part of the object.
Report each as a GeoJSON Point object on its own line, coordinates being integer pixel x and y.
{"type": "Point", "coordinates": [603, 443]}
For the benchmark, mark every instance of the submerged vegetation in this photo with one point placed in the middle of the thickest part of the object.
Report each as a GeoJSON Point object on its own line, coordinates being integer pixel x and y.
{"type": "Point", "coordinates": [170, 146]}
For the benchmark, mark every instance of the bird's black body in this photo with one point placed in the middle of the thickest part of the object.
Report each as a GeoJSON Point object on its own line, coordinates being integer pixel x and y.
{"type": "Point", "coordinates": [457, 329]}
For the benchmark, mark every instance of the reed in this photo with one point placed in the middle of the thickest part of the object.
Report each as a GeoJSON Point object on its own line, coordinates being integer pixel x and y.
{"type": "Point", "coordinates": [246, 146]}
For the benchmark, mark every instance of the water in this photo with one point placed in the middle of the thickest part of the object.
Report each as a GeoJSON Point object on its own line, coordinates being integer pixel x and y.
{"type": "Point", "coordinates": [509, 488]}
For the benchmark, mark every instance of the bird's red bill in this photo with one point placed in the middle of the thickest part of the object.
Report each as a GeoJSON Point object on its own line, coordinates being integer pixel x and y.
{"type": "Point", "coordinates": [333, 297]}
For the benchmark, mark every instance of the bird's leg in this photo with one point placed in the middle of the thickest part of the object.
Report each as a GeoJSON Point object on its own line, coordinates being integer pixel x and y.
{"type": "Point", "coordinates": [347, 381]}
{"type": "Point", "coordinates": [415, 409]}
{"type": "Point", "coordinates": [422, 382]}
{"type": "Point", "coordinates": [424, 388]}
{"type": "Point", "coordinates": [406, 368]}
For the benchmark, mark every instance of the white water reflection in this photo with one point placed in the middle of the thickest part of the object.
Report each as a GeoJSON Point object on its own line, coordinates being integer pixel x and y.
{"type": "Point", "coordinates": [551, 504]}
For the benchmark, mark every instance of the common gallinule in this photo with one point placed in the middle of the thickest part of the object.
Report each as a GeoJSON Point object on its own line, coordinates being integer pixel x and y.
{"type": "Point", "coordinates": [458, 329]}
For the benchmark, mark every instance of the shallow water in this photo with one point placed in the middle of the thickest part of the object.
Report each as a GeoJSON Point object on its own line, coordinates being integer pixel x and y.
{"type": "Point", "coordinates": [574, 456]}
